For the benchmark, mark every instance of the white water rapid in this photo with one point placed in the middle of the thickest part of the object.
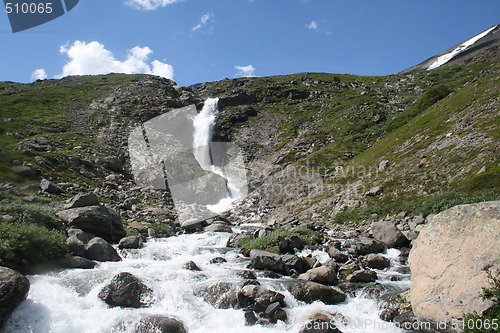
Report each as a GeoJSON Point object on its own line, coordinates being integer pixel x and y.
{"type": "Point", "coordinates": [66, 301]}
{"type": "Point", "coordinates": [203, 125]}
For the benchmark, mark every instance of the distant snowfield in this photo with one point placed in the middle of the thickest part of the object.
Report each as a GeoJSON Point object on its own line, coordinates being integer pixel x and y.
{"type": "Point", "coordinates": [441, 60]}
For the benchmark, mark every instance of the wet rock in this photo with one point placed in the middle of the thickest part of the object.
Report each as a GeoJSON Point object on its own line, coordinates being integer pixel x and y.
{"type": "Point", "coordinates": [131, 242]}
{"type": "Point", "coordinates": [217, 260]}
{"type": "Point", "coordinates": [160, 324]}
{"type": "Point", "coordinates": [234, 240]}
{"type": "Point", "coordinates": [320, 323]}
{"type": "Point", "coordinates": [100, 250]}
{"type": "Point", "coordinates": [337, 255]}
{"type": "Point", "coordinates": [247, 275]}
{"type": "Point", "coordinates": [14, 289]}
{"type": "Point", "coordinates": [267, 260]}
{"type": "Point", "coordinates": [50, 187]}
{"type": "Point", "coordinates": [323, 275]}
{"type": "Point", "coordinates": [387, 233]}
{"type": "Point", "coordinates": [299, 264]}
{"type": "Point", "coordinates": [275, 312]}
{"type": "Point", "coordinates": [347, 269]}
{"type": "Point", "coordinates": [125, 290]}
{"type": "Point", "coordinates": [191, 265]}
{"type": "Point", "coordinates": [218, 227]}
{"type": "Point", "coordinates": [363, 246]}
{"type": "Point", "coordinates": [98, 220]}
{"type": "Point", "coordinates": [221, 295]}
{"type": "Point", "coordinates": [363, 275]}
{"type": "Point", "coordinates": [377, 261]}
{"type": "Point", "coordinates": [309, 292]}
{"type": "Point", "coordinates": [74, 262]}
{"type": "Point", "coordinates": [82, 200]}
{"type": "Point", "coordinates": [258, 298]}
{"type": "Point", "coordinates": [81, 235]}
{"type": "Point", "coordinates": [250, 318]}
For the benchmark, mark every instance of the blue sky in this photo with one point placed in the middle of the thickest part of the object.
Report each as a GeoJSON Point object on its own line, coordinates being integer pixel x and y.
{"type": "Point", "coordinates": [195, 41]}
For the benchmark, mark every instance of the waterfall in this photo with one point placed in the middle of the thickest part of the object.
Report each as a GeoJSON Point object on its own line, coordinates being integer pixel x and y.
{"type": "Point", "coordinates": [203, 125]}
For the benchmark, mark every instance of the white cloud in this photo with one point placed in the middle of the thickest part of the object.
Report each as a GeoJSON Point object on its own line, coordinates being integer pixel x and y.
{"type": "Point", "coordinates": [149, 4]}
{"type": "Point", "coordinates": [94, 58]}
{"type": "Point", "coordinates": [39, 74]}
{"type": "Point", "coordinates": [245, 71]}
{"type": "Point", "coordinates": [206, 18]}
{"type": "Point", "coordinates": [312, 26]}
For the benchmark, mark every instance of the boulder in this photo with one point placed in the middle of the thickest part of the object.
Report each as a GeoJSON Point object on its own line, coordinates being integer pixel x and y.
{"type": "Point", "coordinates": [82, 200]}
{"type": "Point", "coordinates": [221, 295]}
{"type": "Point", "coordinates": [217, 260]}
{"type": "Point", "coordinates": [362, 275]}
{"type": "Point", "coordinates": [98, 220]}
{"type": "Point", "coordinates": [320, 323]}
{"type": "Point", "coordinates": [299, 264]}
{"type": "Point", "coordinates": [100, 250]}
{"type": "Point", "coordinates": [323, 275]}
{"type": "Point", "coordinates": [75, 246]}
{"type": "Point", "coordinates": [83, 236]}
{"type": "Point", "coordinates": [111, 163]}
{"type": "Point", "coordinates": [160, 324]}
{"type": "Point", "coordinates": [14, 288]}
{"type": "Point", "coordinates": [387, 233]}
{"type": "Point", "coordinates": [74, 262]}
{"type": "Point", "coordinates": [267, 260]}
{"type": "Point", "coordinates": [26, 171]}
{"type": "Point", "coordinates": [363, 245]}
{"type": "Point", "coordinates": [131, 242]}
{"type": "Point", "coordinates": [309, 292]}
{"type": "Point", "coordinates": [50, 187]}
{"type": "Point", "coordinates": [449, 258]}
{"type": "Point", "coordinates": [376, 261]}
{"type": "Point", "coordinates": [125, 290]}
{"type": "Point", "coordinates": [259, 298]}
{"type": "Point", "coordinates": [337, 255]}
{"type": "Point", "coordinates": [191, 266]}
{"type": "Point", "coordinates": [218, 227]}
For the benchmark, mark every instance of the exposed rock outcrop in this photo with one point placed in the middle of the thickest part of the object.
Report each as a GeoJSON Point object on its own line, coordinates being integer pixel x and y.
{"type": "Point", "coordinates": [449, 258]}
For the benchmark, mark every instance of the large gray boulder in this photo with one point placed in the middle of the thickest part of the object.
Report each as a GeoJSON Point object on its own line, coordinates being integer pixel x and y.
{"type": "Point", "coordinates": [388, 233]}
{"type": "Point", "coordinates": [322, 274]}
{"type": "Point", "coordinates": [258, 298]}
{"type": "Point", "coordinates": [131, 242]}
{"type": "Point", "coordinates": [309, 292]}
{"type": "Point", "coordinates": [160, 324]}
{"type": "Point", "coordinates": [363, 245]}
{"type": "Point", "coordinates": [74, 262]}
{"type": "Point", "coordinates": [98, 220]}
{"type": "Point", "coordinates": [267, 260]}
{"type": "Point", "coordinates": [125, 290]}
{"type": "Point", "coordinates": [100, 250]}
{"type": "Point", "coordinates": [14, 288]}
{"type": "Point", "coordinates": [376, 261]}
{"type": "Point", "coordinates": [449, 258]}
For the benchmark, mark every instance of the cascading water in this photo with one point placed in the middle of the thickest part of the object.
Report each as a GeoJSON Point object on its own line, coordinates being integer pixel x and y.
{"type": "Point", "coordinates": [203, 125]}
{"type": "Point", "coordinates": [66, 301]}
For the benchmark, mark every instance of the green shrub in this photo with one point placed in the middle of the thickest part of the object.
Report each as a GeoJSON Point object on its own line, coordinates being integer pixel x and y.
{"type": "Point", "coordinates": [271, 242]}
{"type": "Point", "coordinates": [161, 230]}
{"type": "Point", "coordinates": [41, 215]}
{"type": "Point", "coordinates": [27, 244]}
{"type": "Point", "coordinates": [492, 316]}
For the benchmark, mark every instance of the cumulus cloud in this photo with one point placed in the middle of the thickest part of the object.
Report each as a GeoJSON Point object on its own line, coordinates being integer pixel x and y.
{"type": "Point", "coordinates": [206, 18]}
{"type": "Point", "coordinates": [312, 26]}
{"type": "Point", "coordinates": [149, 4]}
{"type": "Point", "coordinates": [94, 58]}
{"type": "Point", "coordinates": [39, 74]}
{"type": "Point", "coordinates": [245, 71]}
